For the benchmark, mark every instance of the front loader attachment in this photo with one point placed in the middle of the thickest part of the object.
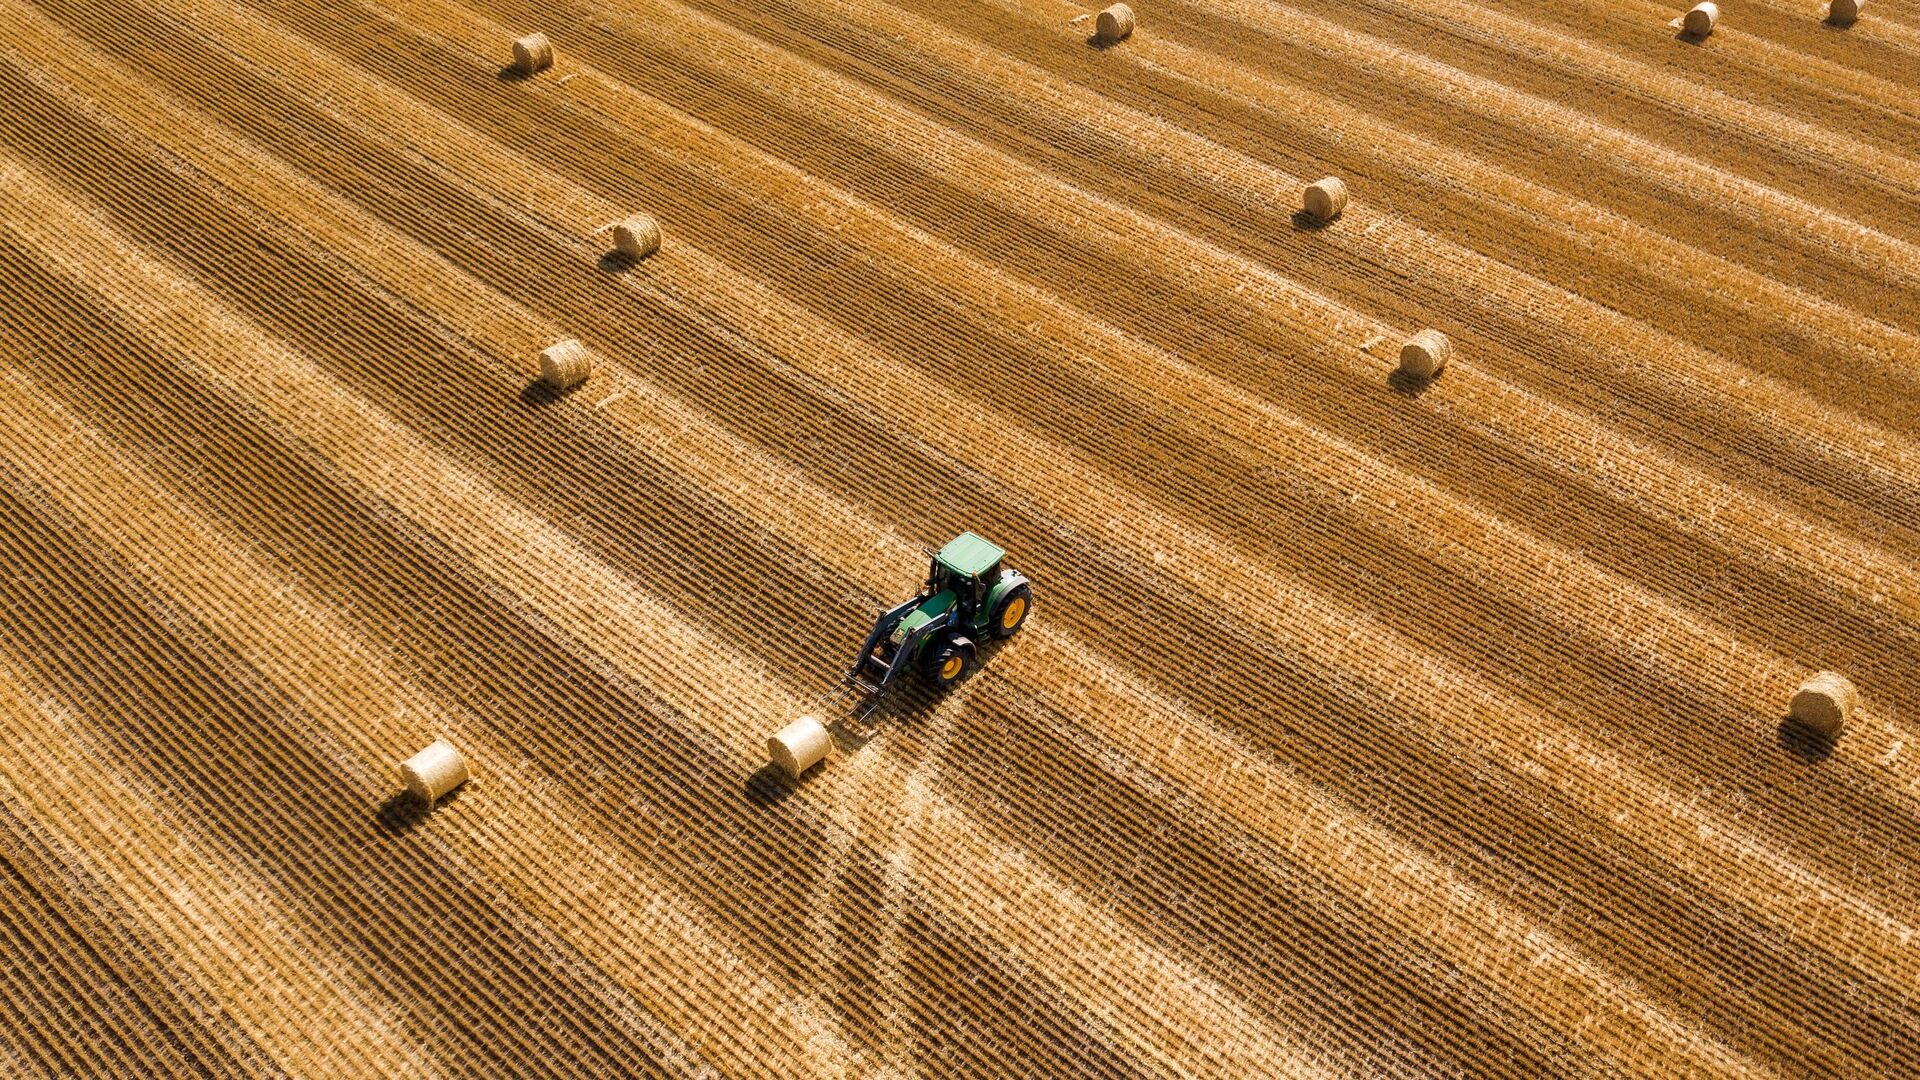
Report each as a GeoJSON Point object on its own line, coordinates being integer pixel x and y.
{"type": "Point", "coordinates": [802, 744]}
{"type": "Point", "coordinates": [881, 660]}
{"type": "Point", "coordinates": [968, 595]}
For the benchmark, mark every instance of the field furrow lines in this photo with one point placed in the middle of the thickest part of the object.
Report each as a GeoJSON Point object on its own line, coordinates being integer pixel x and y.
{"type": "Point", "coordinates": [704, 451]}
{"type": "Point", "coordinates": [1569, 161]}
{"type": "Point", "coordinates": [1763, 208]}
{"type": "Point", "coordinates": [356, 696]}
{"type": "Point", "coordinates": [621, 633]}
{"type": "Point", "coordinates": [534, 574]}
{"type": "Point", "coordinates": [1363, 726]}
{"type": "Point", "coordinates": [1236, 183]}
{"type": "Point", "coordinates": [1697, 297]}
{"type": "Point", "coordinates": [297, 1000]}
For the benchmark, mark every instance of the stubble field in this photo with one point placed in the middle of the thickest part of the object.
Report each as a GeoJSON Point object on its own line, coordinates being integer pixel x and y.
{"type": "Point", "coordinates": [1361, 728]}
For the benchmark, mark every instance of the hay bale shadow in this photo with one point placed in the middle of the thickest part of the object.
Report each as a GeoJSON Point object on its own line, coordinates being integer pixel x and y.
{"type": "Point", "coordinates": [539, 394]}
{"type": "Point", "coordinates": [1408, 385]}
{"type": "Point", "coordinates": [1802, 741]}
{"type": "Point", "coordinates": [770, 786]}
{"type": "Point", "coordinates": [403, 813]}
{"type": "Point", "coordinates": [1305, 222]}
{"type": "Point", "coordinates": [616, 262]}
{"type": "Point", "coordinates": [513, 73]}
{"type": "Point", "coordinates": [1100, 44]}
{"type": "Point", "coordinates": [1687, 37]}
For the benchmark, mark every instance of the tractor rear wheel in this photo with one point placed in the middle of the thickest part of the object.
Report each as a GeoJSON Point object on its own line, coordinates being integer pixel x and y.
{"type": "Point", "coordinates": [946, 663]}
{"type": "Point", "coordinates": [1011, 612]}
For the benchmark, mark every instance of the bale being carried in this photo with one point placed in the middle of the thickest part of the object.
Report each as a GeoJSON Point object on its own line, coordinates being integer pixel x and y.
{"type": "Point", "coordinates": [799, 746]}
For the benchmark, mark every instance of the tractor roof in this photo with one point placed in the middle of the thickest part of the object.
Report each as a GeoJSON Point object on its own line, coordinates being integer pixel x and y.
{"type": "Point", "coordinates": [968, 555]}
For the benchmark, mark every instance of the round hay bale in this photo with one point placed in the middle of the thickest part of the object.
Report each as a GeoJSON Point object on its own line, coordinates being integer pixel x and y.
{"type": "Point", "coordinates": [799, 746]}
{"type": "Point", "coordinates": [533, 53]}
{"type": "Point", "coordinates": [1113, 24]}
{"type": "Point", "coordinates": [1425, 353]}
{"type": "Point", "coordinates": [637, 237]}
{"type": "Point", "coordinates": [1825, 703]}
{"type": "Point", "coordinates": [565, 365]}
{"type": "Point", "coordinates": [433, 772]}
{"type": "Point", "coordinates": [1700, 18]}
{"type": "Point", "coordinates": [1325, 198]}
{"type": "Point", "coordinates": [1844, 12]}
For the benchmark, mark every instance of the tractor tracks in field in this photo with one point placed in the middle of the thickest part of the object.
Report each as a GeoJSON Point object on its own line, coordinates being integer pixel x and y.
{"type": "Point", "coordinates": [938, 312]}
{"type": "Point", "coordinates": [327, 567]}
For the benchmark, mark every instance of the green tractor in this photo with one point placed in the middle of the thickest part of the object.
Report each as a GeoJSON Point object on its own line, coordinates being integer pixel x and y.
{"type": "Point", "coordinates": [970, 596]}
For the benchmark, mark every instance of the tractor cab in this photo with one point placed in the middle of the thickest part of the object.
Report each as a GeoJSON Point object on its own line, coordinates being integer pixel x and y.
{"type": "Point", "coordinates": [967, 567]}
{"type": "Point", "coordinates": [969, 596]}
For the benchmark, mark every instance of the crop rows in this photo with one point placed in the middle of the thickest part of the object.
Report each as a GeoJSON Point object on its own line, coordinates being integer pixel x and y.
{"type": "Point", "coordinates": [1359, 731]}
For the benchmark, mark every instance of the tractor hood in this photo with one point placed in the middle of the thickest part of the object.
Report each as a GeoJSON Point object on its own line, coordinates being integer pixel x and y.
{"type": "Point", "coordinates": [935, 606]}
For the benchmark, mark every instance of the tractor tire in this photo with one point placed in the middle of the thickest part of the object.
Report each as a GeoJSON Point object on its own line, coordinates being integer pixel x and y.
{"type": "Point", "coordinates": [1010, 614]}
{"type": "Point", "coordinates": [946, 663]}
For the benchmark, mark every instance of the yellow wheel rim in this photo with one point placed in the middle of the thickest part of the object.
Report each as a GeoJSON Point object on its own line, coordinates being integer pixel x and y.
{"type": "Point", "coordinates": [1010, 618]}
{"type": "Point", "coordinates": [951, 669]}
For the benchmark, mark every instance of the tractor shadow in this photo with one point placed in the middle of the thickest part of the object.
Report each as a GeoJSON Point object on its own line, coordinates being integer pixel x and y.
{"type": "Point", "coordinates": [986, 651]}
{"type": "Point", "coordinates": [1803, 742]}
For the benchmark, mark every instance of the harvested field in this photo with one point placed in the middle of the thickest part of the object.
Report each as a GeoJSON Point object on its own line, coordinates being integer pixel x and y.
{"type": "Point", "coordinates": [1362, 727]}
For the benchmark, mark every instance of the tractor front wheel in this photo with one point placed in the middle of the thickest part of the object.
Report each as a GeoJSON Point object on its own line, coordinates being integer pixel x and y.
{"type": "Point", "coordinates": [946, 663]}
{"type": "Point", "coordinates": [1011, 612]}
